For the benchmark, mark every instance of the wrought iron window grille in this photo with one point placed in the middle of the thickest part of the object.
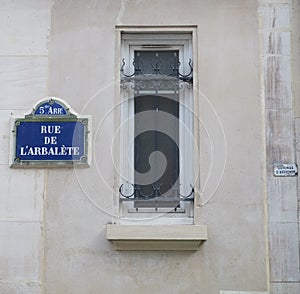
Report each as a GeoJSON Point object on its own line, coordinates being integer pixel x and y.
{"type": "Point", "coordinates": [137, 194]}
{"type": "Point", "coordinates": [140, 75]}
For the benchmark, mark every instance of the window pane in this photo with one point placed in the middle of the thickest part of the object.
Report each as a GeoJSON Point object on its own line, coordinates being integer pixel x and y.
{"type": "Point", "coordinates": [156, 62]}
{"type": "Point", "coordinates": [156, 71]}
{"type": "Point", "coordinates": [150, 112]}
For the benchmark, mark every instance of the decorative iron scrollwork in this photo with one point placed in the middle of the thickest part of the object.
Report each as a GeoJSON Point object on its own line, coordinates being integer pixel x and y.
{"type": "Point", "coordinates": [138, 193]}
{"type": "Point", "coordinates": [124, 195]}
{"type": "Point", "coordinates": [140, 76]}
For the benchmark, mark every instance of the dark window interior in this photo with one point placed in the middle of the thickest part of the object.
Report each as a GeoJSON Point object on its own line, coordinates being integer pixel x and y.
{"type": "Point", "coordinates": [160, 192]}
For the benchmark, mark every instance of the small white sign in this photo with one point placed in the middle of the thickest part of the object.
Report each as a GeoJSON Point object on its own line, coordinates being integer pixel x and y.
{"type": "Point", "coordinates": [285, 170]}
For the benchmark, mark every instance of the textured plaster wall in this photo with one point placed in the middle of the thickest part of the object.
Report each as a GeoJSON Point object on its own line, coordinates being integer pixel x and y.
{"type": "Point", "coordinates": [82, 58]}
{"type": "Point", "coordinates": [52, 222]}
{"type": "Point", "coordinates": [279, 58]}
{"type": "Point", "coordinates": [295, 50]}
{"type": "Point", "coordinates": [23, 80]}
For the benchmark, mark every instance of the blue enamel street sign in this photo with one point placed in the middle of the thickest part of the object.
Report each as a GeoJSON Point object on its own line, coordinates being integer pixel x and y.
{"type": "Point", "coordinates": [50, 140]}
{"type": "Point", "coordinates": [51, 108]}
{"type": "Point", "coordinates": [51, 135]}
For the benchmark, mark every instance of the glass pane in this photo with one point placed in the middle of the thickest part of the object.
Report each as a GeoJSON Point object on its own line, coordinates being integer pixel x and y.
{"type": "Point", "coordinates": [156, 71]}
{"type": "Point", "coordinates": [156, 62]}
{"type": "Point", "coordinates": [156, 131]}
{"type": "Point", "coordinates": [156, 153]}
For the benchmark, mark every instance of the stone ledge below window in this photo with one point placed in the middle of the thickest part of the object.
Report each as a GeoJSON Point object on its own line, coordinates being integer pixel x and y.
{"type": "Point", "coordinates": [156, 237]}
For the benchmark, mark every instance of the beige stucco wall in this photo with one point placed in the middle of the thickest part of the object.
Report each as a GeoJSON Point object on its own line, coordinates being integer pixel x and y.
{"type": "Point", "coordinates": [52, 222]}
{"type": "Point", "coordinates": [82, 61]}
{"type": "Point", "coordinates": [24, 31]}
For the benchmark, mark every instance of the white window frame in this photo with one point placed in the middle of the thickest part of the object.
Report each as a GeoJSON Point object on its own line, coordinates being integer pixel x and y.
{"type": "Point", "coordinates": [182, 40]}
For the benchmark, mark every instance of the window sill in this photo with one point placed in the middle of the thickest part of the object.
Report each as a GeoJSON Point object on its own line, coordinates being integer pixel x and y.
{"type": "Point", "coordinates": [156, 237]}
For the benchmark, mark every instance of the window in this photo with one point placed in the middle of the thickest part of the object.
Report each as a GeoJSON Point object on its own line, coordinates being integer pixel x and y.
{"type": "Point", "coordinates": [156, 133]}
{"type": "Point", "coordinates": [157, 141]}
